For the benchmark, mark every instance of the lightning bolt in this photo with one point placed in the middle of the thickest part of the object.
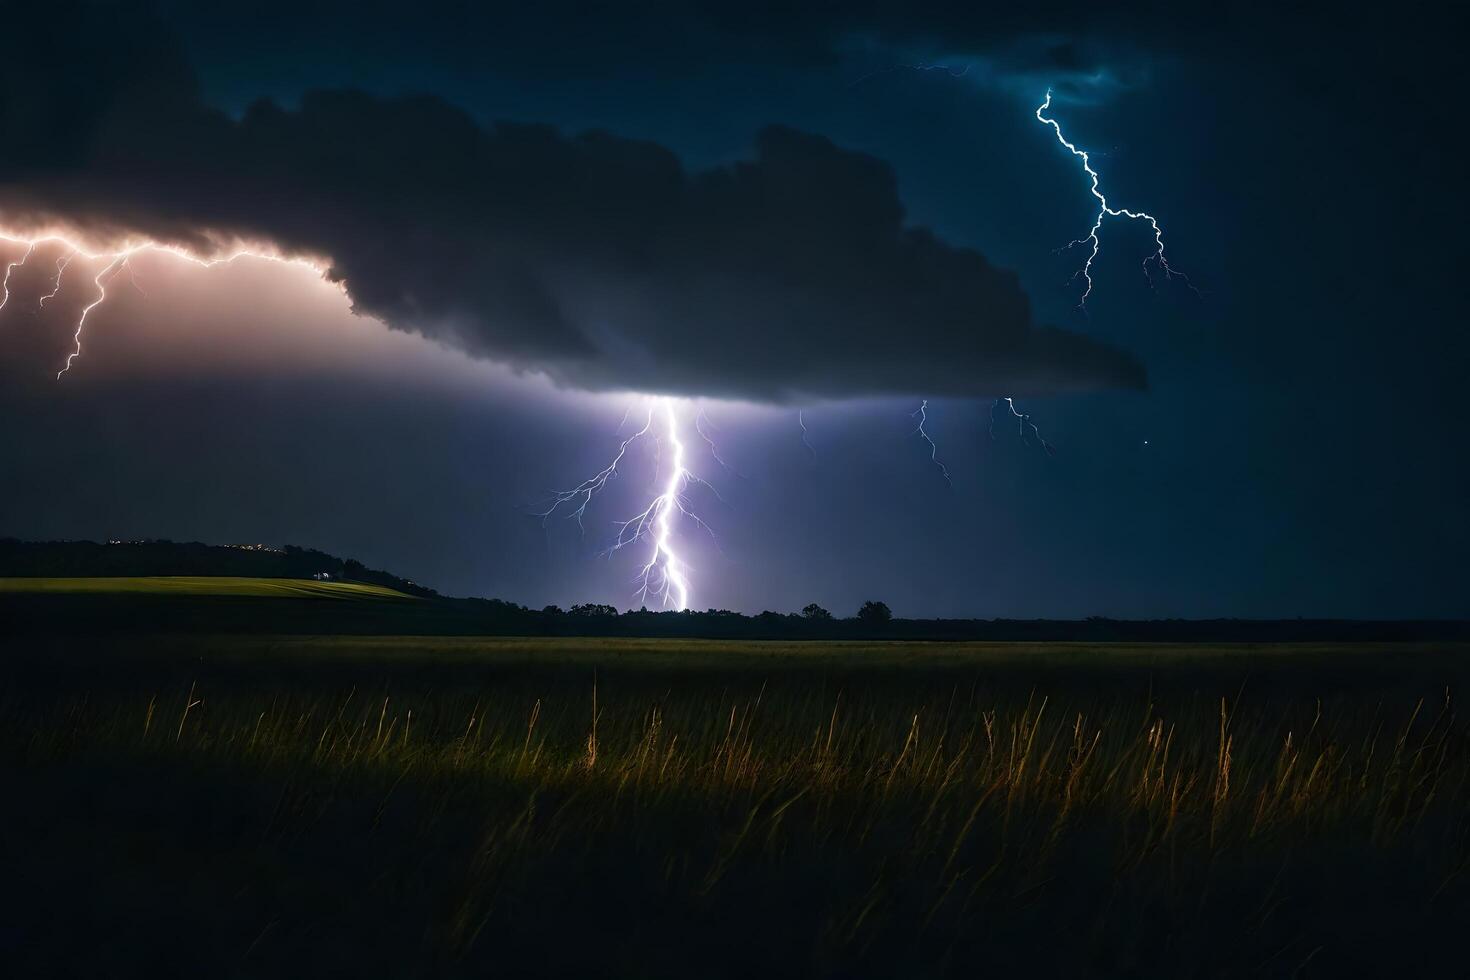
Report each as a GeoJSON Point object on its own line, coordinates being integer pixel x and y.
{"type": "Point", "coordinates": [947, 69]}
{"type": "Point", "coordinates": [11, 268]}
{"type": "Point", "coordinates": [108, 273]}
{"type": "Point", "coordinates": [702, 423]}
{"type": "Point", "coordinates": [923, 416]}
{"type": "Point", "coordinates": [62, 262]}
{"type": "Point", "coordinates": [133, 279]}
{"type": "Point", "coordinates": [665, 575]}
{"type": "Point", "coordinates": [801, 421]}
{"type": "Point", "coordinates": [1025, 427]}
{"type": "Point", "coordinates": [115, 260]}
{"type": "Point", "coordinates": [577, 498]}
{"type": "Point", "coordinates": [1106, 210]}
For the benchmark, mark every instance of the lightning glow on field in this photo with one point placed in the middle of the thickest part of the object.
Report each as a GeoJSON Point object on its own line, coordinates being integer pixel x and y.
{"type": "Point", "coordinates": [1104, 211]}
{"type": "Point", "coordinates": [115, 261]}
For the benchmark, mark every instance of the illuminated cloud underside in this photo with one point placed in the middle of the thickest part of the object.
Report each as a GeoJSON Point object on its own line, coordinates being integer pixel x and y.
{"type": "Point", "coordinates": [665, 575]}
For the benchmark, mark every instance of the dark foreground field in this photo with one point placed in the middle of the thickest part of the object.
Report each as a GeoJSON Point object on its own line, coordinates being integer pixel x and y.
{"type": "Point", "coordinates": [195, 806]}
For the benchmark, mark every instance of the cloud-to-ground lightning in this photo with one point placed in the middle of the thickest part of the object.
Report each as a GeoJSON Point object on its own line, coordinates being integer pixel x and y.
{"type": "Point", "coordinates": [665, 576]}
{"type": "Point", "coordinates": [663, 573]}
{"type": "Point", "coordinates": [922, 414]}
{"type": "Point", "coordinates": [115, 260]}
{"type": "Point", "coordinates": [1105, 210]}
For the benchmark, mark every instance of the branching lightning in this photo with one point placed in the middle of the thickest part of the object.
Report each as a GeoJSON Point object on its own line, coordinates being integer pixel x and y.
{"type": "Point", "coordinates": [9, 268]}
{"type": "Point", "coordinates": [101, 280]}
{"type": "Point", "coordinates": [1105, 210]}
{"type": "Point", "coordinates": [577, 498]}
{"type": "Point", "coordinates": [701, 424]}
{"type": "Point", "coordinates": [665, 576]}
{"type": "Point", "coordinates": [133, 279]}
{"type": "Point", "coordinates": [115, 261]}
{"type": "Point", "coordinates": [62, 262]}
{"type": "Point", "coordinates": [920, 68]}
{"type": "Point", "coordinates": [665, 573]}
{"type": "Point", "coordinates": [1025, 427]}
{"type": "Point", "coordinates": [922, 414]}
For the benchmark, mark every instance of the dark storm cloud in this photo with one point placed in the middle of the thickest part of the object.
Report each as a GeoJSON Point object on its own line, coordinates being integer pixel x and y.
{"type": "Point", "coordinates": [580, 39]}
{"type": "Point", "coordinates": [598, 260]}
{"type": "Point", "coordinates": [1073, 45]}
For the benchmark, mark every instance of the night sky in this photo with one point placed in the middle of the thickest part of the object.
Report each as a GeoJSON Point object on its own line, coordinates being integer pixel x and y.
{"type": "Point", "coordinates": [539, 216]}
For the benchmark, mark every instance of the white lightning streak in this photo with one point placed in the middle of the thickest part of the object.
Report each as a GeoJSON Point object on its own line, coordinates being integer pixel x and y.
{"type": "Point", "coordinates": [1105, 210]}
{"type": "Point", "coordinates": [665, 576]}
{"type": "Point", "coordinates": [663, 573]}
{"type": "Point", "coordinates": [701, 422]}
{"type": "Point", "coordinates": [801, 421]}
{"type": "Point", "coordinates": [62, 262]}
{"type": "Point", "coordinates": [114, 268]}
{"type": "Point", "coordinates": [581, 495]}
{"type": "Point", "coordinates": [115, 260]}
{"type": "Point", "coordinates": [9, 268]}
{"type": "Point", "coordinates": [133, 278]}
{"type": "Point", "coordinates": [1025, 427]}
{"type": "Point", "coordinates": [923, 416]}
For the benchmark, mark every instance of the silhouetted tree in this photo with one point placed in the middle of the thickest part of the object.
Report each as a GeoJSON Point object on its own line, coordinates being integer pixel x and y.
{"type": "Point", "coordinates": [874, 613]}
{"type": "Point", "coordinates": [814, 611]}
{"type": "Point", "coordinates": [593, 609]}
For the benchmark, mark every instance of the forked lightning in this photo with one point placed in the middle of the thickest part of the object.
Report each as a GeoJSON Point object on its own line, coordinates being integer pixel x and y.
{"type": "Point", "coordinates": [115, 261]}
{"type": "Point", "coordinates": [1105, 210]}
{"type": "Point", "coordinates": [665, 575]}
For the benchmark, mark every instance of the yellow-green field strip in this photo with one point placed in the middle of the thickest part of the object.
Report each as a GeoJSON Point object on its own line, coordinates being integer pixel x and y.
{"type": "Point", "coordinates": [187, 585]}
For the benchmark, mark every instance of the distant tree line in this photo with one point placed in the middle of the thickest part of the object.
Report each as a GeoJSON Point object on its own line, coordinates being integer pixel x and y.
{"type": "Point", "coordinates": [439, 615]}
{"type": "Point", "coordinates": [874, 620]}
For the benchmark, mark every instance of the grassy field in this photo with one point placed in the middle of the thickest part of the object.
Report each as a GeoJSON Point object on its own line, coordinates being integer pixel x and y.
{"type": "Point", "coordinates": [198, 586]}
{"type": "Point", "coordinates": [437, 806]}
